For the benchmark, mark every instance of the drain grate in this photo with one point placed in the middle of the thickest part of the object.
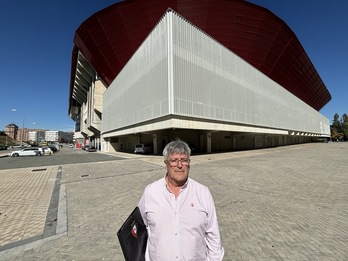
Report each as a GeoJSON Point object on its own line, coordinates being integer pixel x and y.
{"type": "Point", "coordinates": [85, 175]}
{"type": "Point", "coordinates": [38, 170]}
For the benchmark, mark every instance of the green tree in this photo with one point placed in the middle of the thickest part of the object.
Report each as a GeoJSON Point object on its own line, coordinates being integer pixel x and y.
{"type": "Point", "coordinates": [344, 125]}
{"type": "Point", "coordinates": [339, 127]}
{"type": "Point", "coordinates": [336, 124]}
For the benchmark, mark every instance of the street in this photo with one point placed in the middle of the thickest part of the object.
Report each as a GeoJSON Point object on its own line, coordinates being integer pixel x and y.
{"type": "Point", "coordinates": [62, 157]}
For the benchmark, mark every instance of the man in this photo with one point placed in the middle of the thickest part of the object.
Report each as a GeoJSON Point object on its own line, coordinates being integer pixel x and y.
{"type": "Point", "coordinates": [180, 213]}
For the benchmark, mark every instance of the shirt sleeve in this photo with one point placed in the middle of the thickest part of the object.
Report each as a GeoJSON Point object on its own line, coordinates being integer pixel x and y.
{"type": "Point", "coordinates": [141, 206]}
{"type": "Point", "coordinates": [215, 251]}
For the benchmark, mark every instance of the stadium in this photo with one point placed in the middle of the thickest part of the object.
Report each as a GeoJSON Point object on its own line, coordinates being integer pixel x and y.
{"type": "Point", "coordinates": [221, 75]}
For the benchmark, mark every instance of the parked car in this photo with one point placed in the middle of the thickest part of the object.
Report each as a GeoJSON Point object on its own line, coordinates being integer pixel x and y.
{"type": "Point", "coordinates": [27, 152]}
{"type": "Point", "coordinates": [3, 147]}
{"type": "Point", "coordinates": [53, 148]}
{"type": "Point", "coordinates": [143, 148]}
{"type": "Point", "coordinates": [47, 151]}
{"type": "Point", "coordinates": [40, 150]}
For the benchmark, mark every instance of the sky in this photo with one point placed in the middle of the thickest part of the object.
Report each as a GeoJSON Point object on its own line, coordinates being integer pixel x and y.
{"type": "Point", "coordinates": [36, 42]}
{"type": "Point", "coordinates": [322, 29]}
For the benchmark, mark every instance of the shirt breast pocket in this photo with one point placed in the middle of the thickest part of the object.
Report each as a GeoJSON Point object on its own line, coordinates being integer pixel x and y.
{"type": "Point", "coordinates": [196, 217]}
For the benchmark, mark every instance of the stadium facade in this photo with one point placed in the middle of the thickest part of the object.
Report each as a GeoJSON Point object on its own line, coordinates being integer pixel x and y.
{"type": "Point", "coordinates": [221, 75]}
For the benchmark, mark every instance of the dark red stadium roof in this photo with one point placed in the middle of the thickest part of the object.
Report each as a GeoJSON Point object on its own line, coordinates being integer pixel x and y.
{"type": "Point", "coordinates": [111, 36]}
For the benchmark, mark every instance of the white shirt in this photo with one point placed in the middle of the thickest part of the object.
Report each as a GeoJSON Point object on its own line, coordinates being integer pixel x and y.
{"type": "Point", "coordinates": [182, 228]}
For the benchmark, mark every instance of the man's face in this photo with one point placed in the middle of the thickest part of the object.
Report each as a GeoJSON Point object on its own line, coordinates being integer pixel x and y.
{"type": "Point", "coordinates": [178, 166]}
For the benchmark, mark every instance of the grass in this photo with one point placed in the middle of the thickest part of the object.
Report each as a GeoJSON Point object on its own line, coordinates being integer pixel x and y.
{"type": "Point", "coordinates": [10, 142]}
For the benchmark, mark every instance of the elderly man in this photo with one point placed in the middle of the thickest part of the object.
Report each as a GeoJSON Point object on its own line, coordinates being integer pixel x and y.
{"type": "Point", "coordinates": [180, 213]}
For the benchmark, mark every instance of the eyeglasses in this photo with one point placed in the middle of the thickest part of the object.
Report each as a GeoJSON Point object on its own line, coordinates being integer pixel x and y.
{"type": "Point", "coordinates": [175, 162]}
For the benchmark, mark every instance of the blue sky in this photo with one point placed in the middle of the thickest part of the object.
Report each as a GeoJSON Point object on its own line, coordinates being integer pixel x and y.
{"type": "Point", "coordinates": [36, 41]}
{"type": "Point", "coordinates": [322, 28]}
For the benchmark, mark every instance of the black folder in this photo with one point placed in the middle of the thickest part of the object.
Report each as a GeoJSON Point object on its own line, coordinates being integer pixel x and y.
{"type": "Point", "coordinates": [133, 237]}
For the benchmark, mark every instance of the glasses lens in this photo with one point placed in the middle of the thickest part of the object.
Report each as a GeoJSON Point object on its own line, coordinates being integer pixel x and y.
{"type": "Point", "coordinates": [175, 163]}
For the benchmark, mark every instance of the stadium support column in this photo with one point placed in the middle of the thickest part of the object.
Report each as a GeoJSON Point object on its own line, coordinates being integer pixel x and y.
{"type": "Point", "coordinates": [154, 140]}
{"type": "Point", "coordinates": [209, 142]}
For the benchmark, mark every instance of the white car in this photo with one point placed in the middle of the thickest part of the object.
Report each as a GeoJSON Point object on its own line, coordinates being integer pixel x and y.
{"type": "Point", "coordinates": [27, 152]}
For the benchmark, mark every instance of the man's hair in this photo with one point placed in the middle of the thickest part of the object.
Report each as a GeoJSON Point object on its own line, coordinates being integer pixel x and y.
{"type": "Point", "coordinates": [176, 147]}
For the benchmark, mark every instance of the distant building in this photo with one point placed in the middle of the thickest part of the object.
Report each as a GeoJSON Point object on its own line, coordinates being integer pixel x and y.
{"type": "Point", "coordinates": [11, 130]}
{"type": "Point", "coordinates": [52, 136]}
{"type": "Point", "coordinates": [22, 135]}
{"type": "Point", "coordinates": [59, 136]}
{"type": "Point", "coordinates": [41, 135]}
{"type": "Point", "coordinates": [32, 136]}
{"type": "Point", "coordinates": [36, 135]}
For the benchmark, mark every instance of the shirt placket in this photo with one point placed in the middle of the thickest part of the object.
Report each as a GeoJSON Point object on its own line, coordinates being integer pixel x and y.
{"type": "Point", "coordinates": [175, 204]}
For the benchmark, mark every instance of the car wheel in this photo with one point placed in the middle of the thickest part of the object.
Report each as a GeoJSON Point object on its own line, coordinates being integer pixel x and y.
{"type": "Point", "coordinates": [15, 155]}
{"type": "Point", "coordinates": [38, 154]}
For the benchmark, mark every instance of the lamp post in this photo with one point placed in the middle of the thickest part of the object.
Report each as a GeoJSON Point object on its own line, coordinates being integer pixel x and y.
{"type": "Point", "coordinates": [7, 130]}
{"type": "Point", "coordinates": [6, 134]}
{"type": "Point", "coordinates": [22, 134]}
{"type": "Point", "coordinates": [38, 133]}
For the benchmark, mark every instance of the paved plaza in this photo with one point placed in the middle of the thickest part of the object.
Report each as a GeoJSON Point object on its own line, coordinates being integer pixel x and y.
{"type": "Point", "coordinates": [284, 203]}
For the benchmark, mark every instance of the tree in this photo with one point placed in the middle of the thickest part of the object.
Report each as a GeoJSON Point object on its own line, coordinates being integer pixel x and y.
{"type": "Point", "coordinates": [344, 125]}
{"type": "Point", "coordinates": [339, 127]}
{"type": "Point", "coordinates": [336, 124]}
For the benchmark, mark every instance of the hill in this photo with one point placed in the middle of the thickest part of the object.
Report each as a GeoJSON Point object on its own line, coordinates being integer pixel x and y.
{"type": "Point", "coordinates": [10, 142]}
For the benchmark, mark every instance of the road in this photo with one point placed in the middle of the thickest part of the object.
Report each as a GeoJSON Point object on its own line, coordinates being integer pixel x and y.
{"type": "Point", "coordinates": [63, 157]}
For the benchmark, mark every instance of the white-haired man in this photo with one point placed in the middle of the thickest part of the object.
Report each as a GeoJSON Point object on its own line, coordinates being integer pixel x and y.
{"type": "Point", "coordinates": [180, 213]}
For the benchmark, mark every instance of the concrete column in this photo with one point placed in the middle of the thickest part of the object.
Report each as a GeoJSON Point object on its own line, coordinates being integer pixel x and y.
{"type": "Point", "coordinates": [209, 142]}
{"type": "Point", "coordinates": [155, 147]}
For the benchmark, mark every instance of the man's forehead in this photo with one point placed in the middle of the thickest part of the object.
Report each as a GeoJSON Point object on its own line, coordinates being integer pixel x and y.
{"type": "Point", "coordinates": [178, 155]}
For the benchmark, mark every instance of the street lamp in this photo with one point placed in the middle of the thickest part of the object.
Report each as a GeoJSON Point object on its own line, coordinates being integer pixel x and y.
{"type": "Point", "coordinates": [22, 134]}
{"type": "Point", "coordinates": [7, 130]}
{"type": "Point", "coordinates": [38, 132]}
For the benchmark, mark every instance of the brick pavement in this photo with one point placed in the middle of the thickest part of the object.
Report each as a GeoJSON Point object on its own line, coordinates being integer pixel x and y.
{"type": "Point", "coordinates": [285, 203]}
{"type": "Point", "coordinates": [24, 200]}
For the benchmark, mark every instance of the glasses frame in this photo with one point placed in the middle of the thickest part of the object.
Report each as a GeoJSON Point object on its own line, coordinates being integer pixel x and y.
{"type": "Point", "coordinates": [175, 162]}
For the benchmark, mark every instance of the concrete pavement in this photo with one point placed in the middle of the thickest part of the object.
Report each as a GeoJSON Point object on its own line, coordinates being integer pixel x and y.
{"type": "Point", "coordinates": [285, 203]}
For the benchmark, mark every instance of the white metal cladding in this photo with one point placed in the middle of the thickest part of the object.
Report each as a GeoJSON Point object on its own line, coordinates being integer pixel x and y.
{"type": "Point", "coordinates": [211, 82]}
{"type": "Point", "coordinates": [180, 70]}
{"type": "Point", "coordinates": [140, 91]}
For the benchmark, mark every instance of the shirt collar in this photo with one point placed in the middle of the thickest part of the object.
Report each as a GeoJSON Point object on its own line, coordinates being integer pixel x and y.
{"type": "Point", "coordinates": [166, 185]}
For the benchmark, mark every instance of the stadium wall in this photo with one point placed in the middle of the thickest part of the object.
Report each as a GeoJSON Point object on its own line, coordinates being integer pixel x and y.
{"type": "Point", "coordinates": [182, 78]}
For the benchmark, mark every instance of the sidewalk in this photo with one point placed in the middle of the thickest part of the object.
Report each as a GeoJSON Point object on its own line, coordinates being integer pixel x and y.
{"type": "Point", "coordinates": [4, 153]}
{"type": "Point", "coordinates": [285, 203]}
